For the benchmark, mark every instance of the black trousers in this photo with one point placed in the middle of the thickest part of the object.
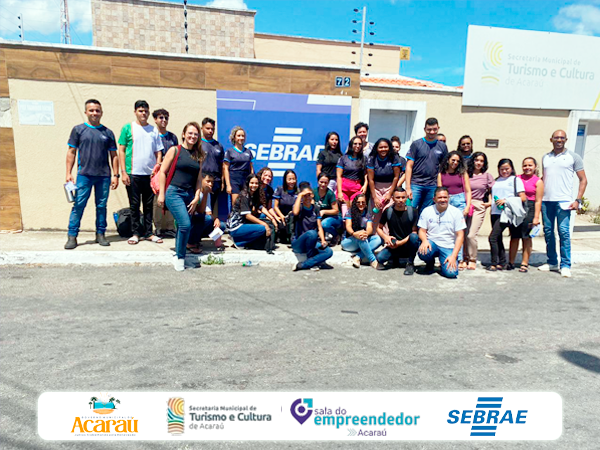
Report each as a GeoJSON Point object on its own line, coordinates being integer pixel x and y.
{"type": "Point", "coordinates": [140, 194]}
{"type": "Point", "coordinates": [497, 250]}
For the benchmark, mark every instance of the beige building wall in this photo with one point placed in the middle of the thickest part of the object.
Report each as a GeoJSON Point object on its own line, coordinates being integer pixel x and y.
{"type": "Point", "coordinates": [385, 59]}
{"type": "Point", "coordinates": [40, 151]}
{"type": "Point", "coordinates": [150, 25]}
{"type": "Point", "coordinates": [521, 132]}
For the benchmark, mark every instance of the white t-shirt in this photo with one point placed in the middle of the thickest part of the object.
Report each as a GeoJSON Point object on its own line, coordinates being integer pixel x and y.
{"type": "Point", "coordinates": [207, 209]}
{"type": "Point", "coordinates": [559, 172]}
{"type": "Point", "coordinates": [442, 228]}
{"type": "Point", "coordinates": [504, 188]}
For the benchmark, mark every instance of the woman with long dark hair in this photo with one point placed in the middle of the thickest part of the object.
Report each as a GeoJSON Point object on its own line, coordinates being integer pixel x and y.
{"type": "Point", "coordinates": [384, 173]}
{"type": "Point", "coordinates": [309, 237]}
{"type": "Point", "coordinates": [328, 206]}
{"type": "Point", "coordinates": [481, 182]}
{"type": "Point", "coordinates": [361, 237]}
{"type": "Point", "coordinates": [329, 157]}
{"type": "Point", "coordinates": [453, 175]}
{"type": "Point", "coordinates": [351, 174]}
{"type": "Point", "coordinates": [506, 187]}
{"type": "Point", "coordinates": [465, 146]}
{"type": "Point", "coordinates": [283, 202]}
{"type": "Point", "coordinates": [534, 191]}
{"type": "Point", "coordinates": [182, 194]}
{"type": "Point", "coordinates": [244, 223]}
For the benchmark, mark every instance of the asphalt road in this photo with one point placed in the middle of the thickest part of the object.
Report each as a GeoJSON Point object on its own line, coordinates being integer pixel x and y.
{"type": "Point", "coordinates": [148, 328]}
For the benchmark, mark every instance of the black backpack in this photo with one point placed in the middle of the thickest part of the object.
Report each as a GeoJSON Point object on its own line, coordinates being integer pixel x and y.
{"type": "Point", "coordinates": [123, 222]}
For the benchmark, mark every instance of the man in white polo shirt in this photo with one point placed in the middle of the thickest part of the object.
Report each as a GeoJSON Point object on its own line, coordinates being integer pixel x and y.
{"type": "Point", "coordinates": [441, 231]}
{"type": "Point", "coordinates": [140, 148]}
{"type": "Point", "coordinates": [560, 165]}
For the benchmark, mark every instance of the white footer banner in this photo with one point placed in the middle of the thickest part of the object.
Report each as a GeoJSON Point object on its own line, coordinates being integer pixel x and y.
{"type": "Point", "coordinates": [300, 416]}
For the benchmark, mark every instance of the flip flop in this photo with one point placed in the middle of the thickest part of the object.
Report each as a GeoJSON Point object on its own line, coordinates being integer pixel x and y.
{"type": "Point", "coordinates": [155, 239]}
{"type": "Point", "coordinates": [133, 240]}
{"type": "Point", "coordinates": [524, 268]}
{"type": "Point", "coordinates": [472, 266]}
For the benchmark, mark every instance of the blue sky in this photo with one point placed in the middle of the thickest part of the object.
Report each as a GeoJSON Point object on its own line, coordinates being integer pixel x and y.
{"type": "Point", "coordinates": [436, 31]}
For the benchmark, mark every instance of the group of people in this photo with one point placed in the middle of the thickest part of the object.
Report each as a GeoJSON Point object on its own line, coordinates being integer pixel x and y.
{"type": "Point", "coordinates": [381, 207]}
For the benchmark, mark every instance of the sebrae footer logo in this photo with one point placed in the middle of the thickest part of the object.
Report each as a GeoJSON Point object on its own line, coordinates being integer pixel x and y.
{"type": "Point", "coordinates": [95, 425]}
{"type": "Point", "coordinates": [487, 416]}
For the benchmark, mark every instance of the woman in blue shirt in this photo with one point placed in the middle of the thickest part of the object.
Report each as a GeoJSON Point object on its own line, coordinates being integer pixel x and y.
{"type": "Point", "coordinates": [351, 175]}
{"type": "Point", "coordinates": [330, 213]}
{"type": "Point", "coordinates": [385, 173]}
{"type": "Point", "coordinates": [361, 237]}
{"type": "Point", "coordinates": [309, 237]}
{"type": "Point", "coordinates": [283, 202]}
{"type": "Point", "coordinates": [237, 163]}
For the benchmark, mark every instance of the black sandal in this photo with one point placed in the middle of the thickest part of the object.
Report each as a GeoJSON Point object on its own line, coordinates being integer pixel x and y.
{"type": "Point", "coordinates": [491, 268]}
{"type": "Point", "coordinates": [510, 266]}
{"type": "Point", "coordinates": [524, 268]}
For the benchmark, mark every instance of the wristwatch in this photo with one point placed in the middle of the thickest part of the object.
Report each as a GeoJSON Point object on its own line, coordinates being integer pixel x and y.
{"type": "Point", "coordinates": [116, 175]}
{"type": "Point", "coordinates": [579, 200]}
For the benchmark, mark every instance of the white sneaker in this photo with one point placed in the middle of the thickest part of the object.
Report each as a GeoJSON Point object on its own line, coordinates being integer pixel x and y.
{"type": "Point", "coordinates": [178, 264]}
{"type": "Point", "coordinates": [356, 262]}
{"type": "Point", "coordinates": [548, 268]}
{"type": "Point", "coordinates": [565, 272]}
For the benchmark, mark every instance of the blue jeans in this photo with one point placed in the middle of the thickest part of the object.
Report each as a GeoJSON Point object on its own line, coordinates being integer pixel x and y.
{"type": "Point", "coordinates": [442, 254]}
{"type": "Point", "coordinates": [177, 200]}
{"type": "Point", "coordinates": [308, 243]}
{"type": "Point", "coordinates": [422, 196]}
{"type": "Point", "coordinates": [247, 233]}
{"type": "Point", "coordinates": [202, 226]}
{"type": "Point", "coordinates": [459, 201]}
{"type": "Point", "coordinates": [406, 251]}
{"type": "Point", "coordinates": [363, 249]}
{"type": "Point", "coordinates": [101, 187]}
{"type": "Point", "coordinates": [332, 224]}
{"type": "Point", "coordinates": [552, 212]}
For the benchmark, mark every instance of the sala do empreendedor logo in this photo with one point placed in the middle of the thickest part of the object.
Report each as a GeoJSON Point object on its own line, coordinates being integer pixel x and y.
{"type": "Point", "coordinates": [175, 416]}
{"type": "Point", "coordinates": [300, 412]}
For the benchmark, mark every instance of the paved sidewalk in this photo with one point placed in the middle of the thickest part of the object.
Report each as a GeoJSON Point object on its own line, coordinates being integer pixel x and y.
{"type": "Point", "coordinates": [46, 247]}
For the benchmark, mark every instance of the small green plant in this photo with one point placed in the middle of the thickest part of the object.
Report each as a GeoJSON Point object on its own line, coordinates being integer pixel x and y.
{"type": "Point", "coordinates": [596, 219]}
{"type": "Point", "coordinates": [212, 260]}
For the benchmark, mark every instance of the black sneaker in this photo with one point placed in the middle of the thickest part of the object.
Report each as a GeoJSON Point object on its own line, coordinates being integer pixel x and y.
{"type": "Point", "coordinates": [325, 266]}
{"type": "Point", "coordinates": [428, 270]}
{"type": "Point", "coordinates": [410, 269]}
{"type": "Point", "coordinates": [101, 239]}
{"type": "Point", "coordinates": [71, 243]}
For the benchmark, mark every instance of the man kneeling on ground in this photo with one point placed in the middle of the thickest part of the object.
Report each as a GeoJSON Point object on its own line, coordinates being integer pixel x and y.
{"type": "Point", "coordinates": [441, 230]}
{"type": "Point", "coordinates": [402, 241]}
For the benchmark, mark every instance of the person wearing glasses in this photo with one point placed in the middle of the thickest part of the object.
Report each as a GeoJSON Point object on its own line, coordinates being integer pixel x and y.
{"type": "Point", "coordinates": [361, 238]}
{"type": "Point", "coordinates": [465, 146]}
{"type": "Point", "coordinates": [442, 232]}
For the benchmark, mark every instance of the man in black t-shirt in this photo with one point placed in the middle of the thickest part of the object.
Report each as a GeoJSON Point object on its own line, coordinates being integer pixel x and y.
{"type": "Point", "coordinates": [164, 223]}
{"type": "Point", "coordinates": [402, 241]}
{"type": "Point", "coordinates": [213, 163]}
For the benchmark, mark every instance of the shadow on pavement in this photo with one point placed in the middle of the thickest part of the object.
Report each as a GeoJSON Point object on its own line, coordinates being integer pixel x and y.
{"type": "Point", "coordinates": [581, 359]}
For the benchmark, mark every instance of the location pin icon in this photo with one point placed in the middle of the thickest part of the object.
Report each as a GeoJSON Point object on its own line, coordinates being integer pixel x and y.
{"type": "Point", "coordinates": [300, 412]}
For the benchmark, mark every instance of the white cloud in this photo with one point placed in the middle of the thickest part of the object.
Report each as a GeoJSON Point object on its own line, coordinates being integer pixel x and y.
{"type": "Point", "coordinates": [578, 19]}
{"type": "Point", "coordinates": [231, 4]}
{"type": "Point", "coordinates": [43, 16]}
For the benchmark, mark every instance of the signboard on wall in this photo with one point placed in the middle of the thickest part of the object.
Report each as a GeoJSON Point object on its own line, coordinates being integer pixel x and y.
{"type": "Point", "coordinates": [531, 69]}
{"type": "Point", "coordinates": [284, 131]}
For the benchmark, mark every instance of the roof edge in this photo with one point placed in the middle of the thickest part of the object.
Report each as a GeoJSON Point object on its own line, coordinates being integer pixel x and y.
{"type": "Point", "coordinates": [116, 51]}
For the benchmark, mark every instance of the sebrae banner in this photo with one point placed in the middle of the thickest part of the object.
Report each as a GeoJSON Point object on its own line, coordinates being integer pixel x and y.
{"type": "Point", "coordinates": [531, 69]}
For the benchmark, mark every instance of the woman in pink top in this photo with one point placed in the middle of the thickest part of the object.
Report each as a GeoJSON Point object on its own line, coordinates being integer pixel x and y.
{"type": "Point", "coordinates": [453, 175]}
{"type": "Point", "coordinates": [481, 186]}
{"type": "Point", "coordinates": [534, 191]}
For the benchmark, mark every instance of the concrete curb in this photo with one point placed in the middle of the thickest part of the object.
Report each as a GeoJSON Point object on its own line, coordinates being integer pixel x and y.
{"type": "Point", "coordinates": [100, 258]}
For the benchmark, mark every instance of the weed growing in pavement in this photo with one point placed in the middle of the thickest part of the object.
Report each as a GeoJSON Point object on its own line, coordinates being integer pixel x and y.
{"type": "Point", "coordinates": [212, 260]}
